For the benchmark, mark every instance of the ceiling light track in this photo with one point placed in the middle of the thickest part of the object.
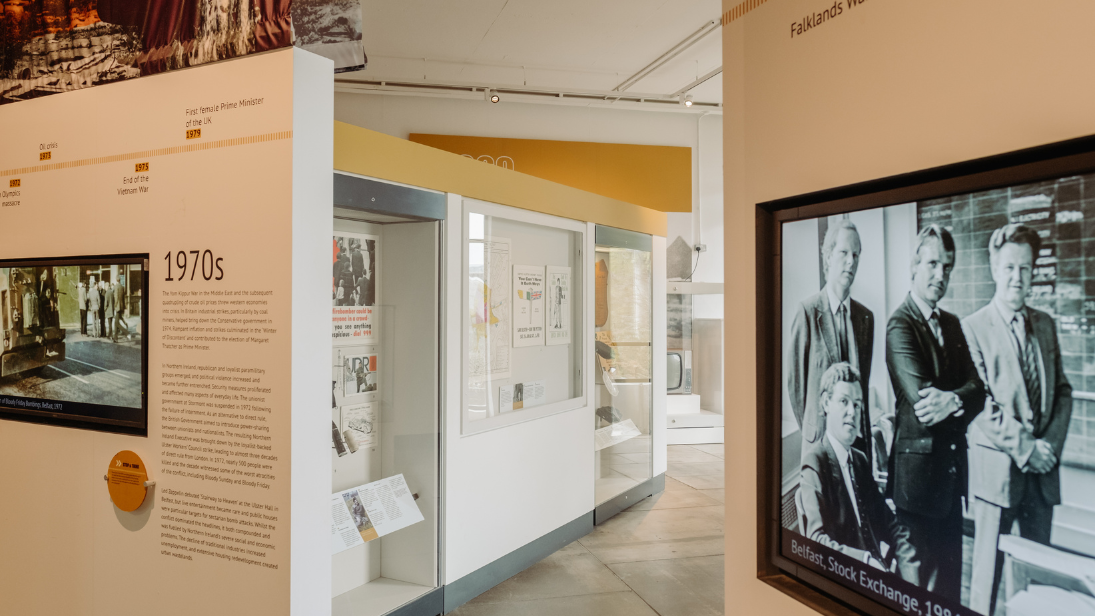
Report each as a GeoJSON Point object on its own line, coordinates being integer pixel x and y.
{"type": "Point", "coordinates": [520, 94]}
{"type": "Point", "coordinates": [698, 82]}
{"type": "Point", "coordinates": [673, 52]}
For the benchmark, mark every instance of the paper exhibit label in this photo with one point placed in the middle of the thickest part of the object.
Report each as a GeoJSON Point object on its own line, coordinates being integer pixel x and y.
{"type": "Point", "coordinates": [373, 510]}
{"type": "Point", "coordinates": [521, 396]}
{"type": "Point", "coordinates": [557, 291]}
{"type": "Point", "coordinates": [528, 306]}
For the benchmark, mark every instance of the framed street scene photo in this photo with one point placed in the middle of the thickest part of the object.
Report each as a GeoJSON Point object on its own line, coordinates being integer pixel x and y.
{"type": "Point", "coordinates": [74, 349]}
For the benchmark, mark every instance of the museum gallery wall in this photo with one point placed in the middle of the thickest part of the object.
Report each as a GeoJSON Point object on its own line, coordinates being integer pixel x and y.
{"type": "Point", "coordinates": [217, 298]}
{"type": "Point", "coordinates": [802, 116]}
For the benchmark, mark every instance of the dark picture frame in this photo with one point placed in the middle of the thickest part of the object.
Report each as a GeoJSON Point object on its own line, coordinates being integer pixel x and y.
{"type": "Point", "coordinates": [77, 408]}
{"type": "Point", "coordinates": [1052, 161]}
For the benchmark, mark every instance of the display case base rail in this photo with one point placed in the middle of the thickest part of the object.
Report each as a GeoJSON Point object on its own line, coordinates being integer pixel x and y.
{"type": "Point", "coordinates": [429, 604]}
{"type": "Point", "coordinates": [483, 579]}
{"type": "Point", "coordinates": [615, 505]}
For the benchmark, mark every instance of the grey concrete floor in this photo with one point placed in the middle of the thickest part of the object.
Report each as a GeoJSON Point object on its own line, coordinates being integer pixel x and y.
{"type": "Point", "coordinates": [663, 556]}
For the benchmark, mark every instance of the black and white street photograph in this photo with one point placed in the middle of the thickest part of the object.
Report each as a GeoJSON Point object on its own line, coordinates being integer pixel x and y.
{"type": "Point", "coordinates": [938, 378]}
{"type": "Point", "coordinates": [354, 277]}
{"type": "Point", "coordinates": [72, 333]}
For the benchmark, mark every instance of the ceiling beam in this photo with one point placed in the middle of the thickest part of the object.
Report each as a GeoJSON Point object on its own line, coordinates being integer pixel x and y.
{"type": "Point", "coordinates": [676, 50]}
{"type": "Point", "coordinates": [698, 81]}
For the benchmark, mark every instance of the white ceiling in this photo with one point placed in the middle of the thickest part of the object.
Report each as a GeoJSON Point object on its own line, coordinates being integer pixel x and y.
{"type": "Point", "coordinates": [565, 45]}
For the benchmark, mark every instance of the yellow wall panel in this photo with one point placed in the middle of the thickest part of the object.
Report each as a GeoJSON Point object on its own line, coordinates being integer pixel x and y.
{"type": "Point", "coordinates": [369, 153]}
{"type": "Point", "coordinates": [653, 176]}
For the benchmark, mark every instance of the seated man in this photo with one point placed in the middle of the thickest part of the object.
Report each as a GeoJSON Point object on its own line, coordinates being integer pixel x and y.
{"type": "Point", "coordinates": [843, 507]}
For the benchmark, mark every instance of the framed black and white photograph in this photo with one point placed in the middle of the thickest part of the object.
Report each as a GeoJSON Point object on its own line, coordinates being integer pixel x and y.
{"type": "Point", "coordinates": [929, 394]}
{"type": "Point", "coordinates": [74, 351]}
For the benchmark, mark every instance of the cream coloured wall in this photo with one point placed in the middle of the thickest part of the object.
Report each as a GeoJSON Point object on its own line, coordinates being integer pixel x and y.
{"type": "Point", "coordinates": [886, 88]}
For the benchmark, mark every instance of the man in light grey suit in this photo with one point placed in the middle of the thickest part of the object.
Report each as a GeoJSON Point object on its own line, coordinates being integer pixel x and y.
{"type": "Point", "coordinates": [1015, 444]}
{"type": "Point", "coordinates": [830, 327]}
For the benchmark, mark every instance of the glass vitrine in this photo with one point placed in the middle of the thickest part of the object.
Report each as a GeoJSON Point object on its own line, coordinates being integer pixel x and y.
{"type": "Point", "coordinates": [623, 365]}
{"type": "Point", "coordinates": [522, 344]}
{"type": "Point", "coordinates": [385, 394]}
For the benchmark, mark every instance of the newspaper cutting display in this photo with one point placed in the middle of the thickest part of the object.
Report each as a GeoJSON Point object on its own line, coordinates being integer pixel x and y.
{"type": "Point", "coordinates": [528, 306]}
{"type": "Point", "coordinates": [373, 510]}
{"type": "Point", "coordinates": [490, 309]}
{"type": "Point", "coordinates": [360, 425]}
{"type": "Point", "coordinates": [354, 288]}
{"type": "Point", "coordinates": [930, 356]}
{"type": "Point", "coordinates": [358, 373]}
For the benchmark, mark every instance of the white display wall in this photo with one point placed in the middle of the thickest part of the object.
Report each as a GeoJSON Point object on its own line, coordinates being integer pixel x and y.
{"type": "Point", "coordinates": [507, 487]}
{"type": "Point", "coordinates": [236, 522]}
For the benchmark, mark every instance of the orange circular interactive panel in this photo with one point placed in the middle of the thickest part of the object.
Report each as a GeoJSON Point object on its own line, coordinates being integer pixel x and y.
{"type": "Point", "coordinates": [125, 480]}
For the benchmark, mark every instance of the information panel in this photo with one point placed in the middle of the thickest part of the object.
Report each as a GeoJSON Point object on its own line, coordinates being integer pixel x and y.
{"type": "Point", "coordinates": [193, 172]}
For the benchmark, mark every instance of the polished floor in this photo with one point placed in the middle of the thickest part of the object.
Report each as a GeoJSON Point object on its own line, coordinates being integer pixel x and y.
{"type": "Point", "coordinates": [663, 556]}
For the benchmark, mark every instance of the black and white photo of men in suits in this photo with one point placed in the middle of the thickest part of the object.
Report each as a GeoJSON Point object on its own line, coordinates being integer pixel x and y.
{"type": "Point", "coordinates": [830, 327]}
{"type": "Point", "coordinates": [1015, 444]}
{"type": "Point", "coordinates": [842, 505]}
{"type": "Point", "coordinates": [937, 394]}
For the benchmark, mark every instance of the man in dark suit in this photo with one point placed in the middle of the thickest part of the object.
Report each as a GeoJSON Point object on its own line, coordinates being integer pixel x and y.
{"type": "Point", "coordinates": [118, 292]}
{"type": "Point", "coordinates": [108, 311]}
{"type": "Point", "coordinates": [938, 393]}
{"type": "Point", "coordinates": [1015, 444]}
{"type": "Point", "coordinates": [830, 327]}
{"type": "Point", "coordinates": [102, 309]}
{"type": "Point", "coordinates": [841, 503]}
{"type": "Point", "coordinates": [357, 261]}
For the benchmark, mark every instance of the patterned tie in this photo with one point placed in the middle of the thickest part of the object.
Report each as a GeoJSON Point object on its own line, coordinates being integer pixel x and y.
{"type": "Point", "coordinates": [841, 332]}
{"type": "Point", "coordinates": [1028, 361]}
{"type": "Point", "coordinates": [937, 329]}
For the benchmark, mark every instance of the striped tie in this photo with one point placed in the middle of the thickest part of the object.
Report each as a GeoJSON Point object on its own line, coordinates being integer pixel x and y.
{"type": "Point", "coordinates": [936, 327]}
{"type": "Point", "coordinates": [1029, 363]}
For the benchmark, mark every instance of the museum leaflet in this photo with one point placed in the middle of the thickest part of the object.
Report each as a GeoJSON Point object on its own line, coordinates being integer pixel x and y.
{"type": "Point", "coordinates": [373, 510]}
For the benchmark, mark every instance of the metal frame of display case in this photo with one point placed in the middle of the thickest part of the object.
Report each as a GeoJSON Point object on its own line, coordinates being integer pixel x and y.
{"type": "Point", "coordinates": [611, 237]}
{"type": "Point", "coordinates": [394, 203]}
{"type": "Point", "coordinates": [1029, 165]}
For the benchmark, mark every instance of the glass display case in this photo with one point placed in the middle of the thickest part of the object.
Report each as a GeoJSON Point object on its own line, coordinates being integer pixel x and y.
{"type": "Point", "coordinates": [623, 396]}
{"type": "Point", "coordinates": [694, 363]}
{"type": "Point", "coordinates": [523, 350]}
{"type": "Point", "coordinates": [385, 397]}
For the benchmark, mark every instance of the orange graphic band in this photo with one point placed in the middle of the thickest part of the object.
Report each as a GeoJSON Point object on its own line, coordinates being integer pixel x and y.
{"type": "Point", "coordinates": [178, 149]}
{"type": "Point", "coordinates": [740, 10]}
